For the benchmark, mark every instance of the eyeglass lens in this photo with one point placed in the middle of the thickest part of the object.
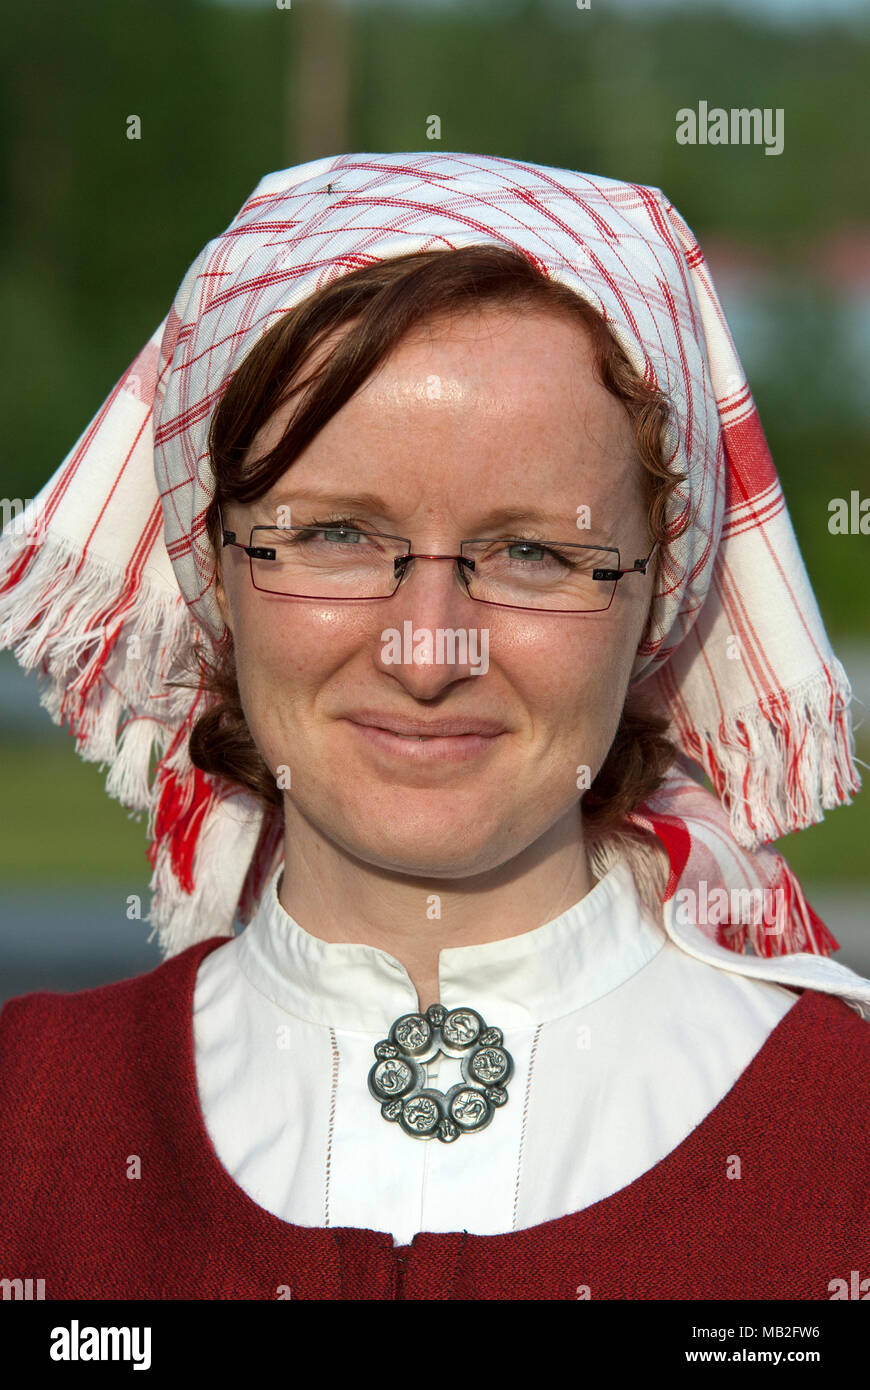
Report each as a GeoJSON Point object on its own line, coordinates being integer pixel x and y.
{"type": "Point", "coordinates": [340, 563]}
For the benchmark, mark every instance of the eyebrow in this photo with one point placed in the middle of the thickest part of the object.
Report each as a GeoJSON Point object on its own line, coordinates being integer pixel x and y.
{"type": "Point", "coordinates": [370, 501]}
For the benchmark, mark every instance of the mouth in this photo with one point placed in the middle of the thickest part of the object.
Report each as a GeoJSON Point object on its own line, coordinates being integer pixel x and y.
{"type": "Point", "coordinates": [444, 747]}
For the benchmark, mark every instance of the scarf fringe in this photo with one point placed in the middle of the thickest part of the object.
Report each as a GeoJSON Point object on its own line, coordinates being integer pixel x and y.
{"type": "Point", "coordinates": [783, 922]}
{"type": "Point", "coordinates": [224, 850]}
{"type": "Point", "coordinates": [89, 629]}
{"type": "Point", "coordinates": [101, 644]}
{"type": "Point", "coordinates": [780, 766]}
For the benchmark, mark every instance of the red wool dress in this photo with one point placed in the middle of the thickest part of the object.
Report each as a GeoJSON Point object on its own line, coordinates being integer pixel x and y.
{"type": "Point", "coordinates": [91, 1081]}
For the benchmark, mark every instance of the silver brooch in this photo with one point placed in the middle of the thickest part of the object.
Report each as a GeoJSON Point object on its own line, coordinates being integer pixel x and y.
{"type": "Point", "coordinates": [398, 1077]}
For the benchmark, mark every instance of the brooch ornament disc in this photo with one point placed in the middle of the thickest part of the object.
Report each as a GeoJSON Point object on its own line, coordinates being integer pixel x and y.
{"type": "Point", "coordinates": [398, 1078]}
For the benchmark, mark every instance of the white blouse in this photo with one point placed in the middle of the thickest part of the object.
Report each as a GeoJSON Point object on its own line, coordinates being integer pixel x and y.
{"type": "Point", "coordinates": [622, 1042]}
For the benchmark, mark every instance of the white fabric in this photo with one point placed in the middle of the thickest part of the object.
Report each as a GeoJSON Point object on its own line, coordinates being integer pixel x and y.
{"type": "Point", "coordinates": [622, 1043]}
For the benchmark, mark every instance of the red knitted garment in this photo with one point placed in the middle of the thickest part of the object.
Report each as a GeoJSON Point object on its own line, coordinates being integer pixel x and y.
{"type": "Point", "coordinates": [89, 1081]}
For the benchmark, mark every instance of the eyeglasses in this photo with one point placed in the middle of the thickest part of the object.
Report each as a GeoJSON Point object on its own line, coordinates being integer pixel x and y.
{"type": "Point", "coordinates": [350, 563]}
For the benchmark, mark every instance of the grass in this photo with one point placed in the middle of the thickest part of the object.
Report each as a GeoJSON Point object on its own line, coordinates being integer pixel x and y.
{"type": "Point", "coordinates": [835, 850]}
{"type": "Point", "coordinates": [61, 827]}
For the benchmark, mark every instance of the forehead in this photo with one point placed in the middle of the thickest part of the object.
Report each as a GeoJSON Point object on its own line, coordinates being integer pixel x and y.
{"type": "Point", "coordinates": [497, 356]}
{"type": "Point", "coordinates": [497, 404]}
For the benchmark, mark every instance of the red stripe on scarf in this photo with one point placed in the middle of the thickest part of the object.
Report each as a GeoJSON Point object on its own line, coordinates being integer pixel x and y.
{"type": "Point", "coordinates": [678, 842]}
{"type": "Point", "coordinates": [180, 811]}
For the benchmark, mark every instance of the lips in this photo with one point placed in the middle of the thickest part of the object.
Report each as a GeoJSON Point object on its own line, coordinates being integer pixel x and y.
{"type": "Point", "coordinates": [405, 727]}
{"type": "Point", "coordinates": [427, 750]}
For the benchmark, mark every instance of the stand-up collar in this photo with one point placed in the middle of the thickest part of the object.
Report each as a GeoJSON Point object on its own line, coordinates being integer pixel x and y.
{"type": "Point", "coordinates": [587, 951]}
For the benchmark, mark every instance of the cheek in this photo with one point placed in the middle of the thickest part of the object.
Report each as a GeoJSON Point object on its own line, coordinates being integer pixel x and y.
{"type": "Point", "coordinates": [567, 666]}
{"type": "Point", "coordinates": [272, 659]}
{"type": "Point", "coordinates": [572, 684]}
{"type": "Point", "coordinates": [285, 654]}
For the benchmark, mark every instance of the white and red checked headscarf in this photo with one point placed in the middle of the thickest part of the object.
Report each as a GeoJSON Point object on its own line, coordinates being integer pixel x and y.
{"type": "Point", "coordinates": [109, 578]}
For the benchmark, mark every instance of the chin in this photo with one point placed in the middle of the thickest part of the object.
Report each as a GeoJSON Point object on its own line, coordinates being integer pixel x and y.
{"type": "Point", "coordinates": [419, 851]}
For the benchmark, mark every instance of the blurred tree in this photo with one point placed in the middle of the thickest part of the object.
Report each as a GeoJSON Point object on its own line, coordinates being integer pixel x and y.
{"type": "Point", "coordinates": [317, 64]}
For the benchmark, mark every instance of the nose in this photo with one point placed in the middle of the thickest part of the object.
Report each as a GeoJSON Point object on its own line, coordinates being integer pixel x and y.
{"type": "Point", "coordinates": [431, 633]}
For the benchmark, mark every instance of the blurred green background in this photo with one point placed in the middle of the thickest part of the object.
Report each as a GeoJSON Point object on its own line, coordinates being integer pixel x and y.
{"type": "Point", "coordinates": [97, 231]}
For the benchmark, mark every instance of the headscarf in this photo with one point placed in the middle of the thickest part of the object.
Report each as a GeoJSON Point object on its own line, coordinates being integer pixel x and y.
{"type": "Point", "coordinates": [108, 579]}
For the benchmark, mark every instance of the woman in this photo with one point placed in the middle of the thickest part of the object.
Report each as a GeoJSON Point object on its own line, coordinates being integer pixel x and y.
{"type": "Point", "coordinates": [520, 1011]}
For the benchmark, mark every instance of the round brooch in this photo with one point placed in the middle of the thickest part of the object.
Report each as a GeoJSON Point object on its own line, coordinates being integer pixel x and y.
{"type": "Point", "coordinates": [398, 1077]}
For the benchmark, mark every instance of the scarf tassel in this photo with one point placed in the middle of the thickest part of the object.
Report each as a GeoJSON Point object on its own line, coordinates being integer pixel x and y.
{"type": "Point", "coordinates": [779, 766]}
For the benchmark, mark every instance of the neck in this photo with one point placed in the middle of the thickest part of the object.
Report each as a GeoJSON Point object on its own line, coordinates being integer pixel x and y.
{"type": "Point", "coordinates": [414, 916]}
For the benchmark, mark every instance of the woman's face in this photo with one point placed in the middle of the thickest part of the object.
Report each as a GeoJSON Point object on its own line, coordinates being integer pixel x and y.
{"type": "Point", "coordinates": [480, 412]}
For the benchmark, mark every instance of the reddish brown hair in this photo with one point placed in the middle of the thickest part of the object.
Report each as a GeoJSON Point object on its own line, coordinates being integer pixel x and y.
{"type": "Point", "coordinates": [377, 305]}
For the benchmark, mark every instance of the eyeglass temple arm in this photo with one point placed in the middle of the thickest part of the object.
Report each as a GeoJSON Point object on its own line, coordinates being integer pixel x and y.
{"type": "Point", "coordinates": [638, 564]}
{"type": "Point", "coordinates": [229, 538]}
